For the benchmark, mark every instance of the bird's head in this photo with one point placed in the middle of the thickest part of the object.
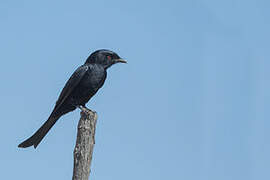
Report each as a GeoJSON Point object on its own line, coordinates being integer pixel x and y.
{"type": "Point", "coordinates": [104, 57]}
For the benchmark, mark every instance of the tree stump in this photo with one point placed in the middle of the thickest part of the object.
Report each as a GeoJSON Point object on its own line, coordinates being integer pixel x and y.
{"type": "Point", "coordinates": [83, 151]}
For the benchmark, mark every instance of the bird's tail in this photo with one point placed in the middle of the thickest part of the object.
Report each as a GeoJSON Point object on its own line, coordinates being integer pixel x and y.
{"type": "Point", "coordinates": [36, 138]}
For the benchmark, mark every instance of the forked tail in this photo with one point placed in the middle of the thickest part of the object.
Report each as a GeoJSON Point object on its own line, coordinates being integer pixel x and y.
{"type": "Point", "coordinates": [36, 138]}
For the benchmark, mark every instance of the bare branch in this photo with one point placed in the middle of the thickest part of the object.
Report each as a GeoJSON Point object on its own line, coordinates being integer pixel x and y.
{"type": "Point", "coordinates": [83, 151]}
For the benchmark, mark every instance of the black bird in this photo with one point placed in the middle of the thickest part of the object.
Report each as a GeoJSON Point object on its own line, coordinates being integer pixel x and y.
{"type": "Point", "coordinates": [81, 86]}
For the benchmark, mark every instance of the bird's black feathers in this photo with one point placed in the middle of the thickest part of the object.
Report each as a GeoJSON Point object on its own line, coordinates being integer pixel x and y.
{"type": "Point", "coordinates": [81, 86]}
{"type": "Point", "coordinates": [35, 139]}
{"type": "Point", "coordinates": [73, 81]}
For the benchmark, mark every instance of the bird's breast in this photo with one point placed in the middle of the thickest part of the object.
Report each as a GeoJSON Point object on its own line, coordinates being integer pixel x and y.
{"type": "Point", "coordinates": [93, 79]}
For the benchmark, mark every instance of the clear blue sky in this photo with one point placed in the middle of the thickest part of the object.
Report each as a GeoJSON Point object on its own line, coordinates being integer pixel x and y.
{"type": "Point", "coordinates": [192, 103]}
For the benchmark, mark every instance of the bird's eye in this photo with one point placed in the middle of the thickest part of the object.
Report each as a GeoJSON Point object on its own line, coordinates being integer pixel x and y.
{"type": "Point", "coordinates": [109, 57]}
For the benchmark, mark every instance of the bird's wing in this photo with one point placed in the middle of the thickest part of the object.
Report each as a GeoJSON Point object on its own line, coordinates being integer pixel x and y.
{"type": "Point", "coordinates": [71, 84]}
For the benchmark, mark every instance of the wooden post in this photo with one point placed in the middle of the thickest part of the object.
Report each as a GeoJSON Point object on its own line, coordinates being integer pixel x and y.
{"type": "Point", "coordinates": [83, 151]}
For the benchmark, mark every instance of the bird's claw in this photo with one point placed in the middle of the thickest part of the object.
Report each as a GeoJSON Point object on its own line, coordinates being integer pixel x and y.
{"type": "Point", "coordinates": [84, 109]}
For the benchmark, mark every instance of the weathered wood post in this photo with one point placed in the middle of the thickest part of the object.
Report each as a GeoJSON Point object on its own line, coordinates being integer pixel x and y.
{"type": "Point", "coordinates": [83, 151]}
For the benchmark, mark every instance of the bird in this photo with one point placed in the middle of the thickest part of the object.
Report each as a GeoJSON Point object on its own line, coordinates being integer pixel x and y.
{"type": "Point", "coordinates": [78, 90]}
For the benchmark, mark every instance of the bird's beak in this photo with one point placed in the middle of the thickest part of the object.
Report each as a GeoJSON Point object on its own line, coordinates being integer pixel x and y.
{"type": "Point", "coordinates": [120, 61]}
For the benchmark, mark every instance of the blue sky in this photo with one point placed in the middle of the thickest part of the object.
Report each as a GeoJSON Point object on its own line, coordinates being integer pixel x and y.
{"type": "Point", "coordinates": [192, 103]}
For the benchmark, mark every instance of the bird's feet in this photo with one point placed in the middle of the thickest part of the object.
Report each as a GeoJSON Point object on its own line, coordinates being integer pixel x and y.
{"type": "Point", "coordinates": [84, 109]}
